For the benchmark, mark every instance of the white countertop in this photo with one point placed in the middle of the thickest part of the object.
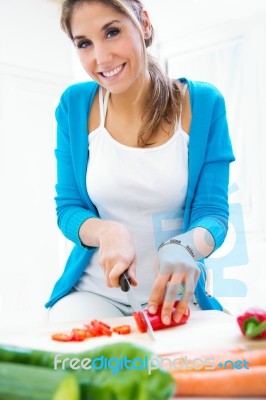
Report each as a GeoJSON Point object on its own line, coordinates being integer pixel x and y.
{"type": "Point", "coordinates": [205, 331]}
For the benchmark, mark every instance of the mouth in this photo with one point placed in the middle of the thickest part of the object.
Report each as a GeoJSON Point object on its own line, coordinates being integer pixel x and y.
{"type": "Point", "coordinates": [113, 72]}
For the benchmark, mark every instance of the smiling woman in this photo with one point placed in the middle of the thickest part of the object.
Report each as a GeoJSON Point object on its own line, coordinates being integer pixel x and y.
{"type": "Point", "coordinates": [112, 50]}
{"type": "Point", "coordinates": [106, 49]}
{"type": "Point", "coordinates": [201, 46]}
{"type": "Point", "coordinates": [136, 151]}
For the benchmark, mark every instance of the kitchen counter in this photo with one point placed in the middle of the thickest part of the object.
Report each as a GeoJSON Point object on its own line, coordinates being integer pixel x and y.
{"type": "Point", "coordinates": [206, 331]}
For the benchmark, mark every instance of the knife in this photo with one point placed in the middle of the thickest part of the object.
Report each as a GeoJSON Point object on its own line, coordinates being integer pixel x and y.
{"type": "Point", "coordinates": [125, 285]}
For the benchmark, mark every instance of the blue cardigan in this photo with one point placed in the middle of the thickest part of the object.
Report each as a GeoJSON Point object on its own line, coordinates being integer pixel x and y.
{"type": "Point", "coordinates": [210, 153]}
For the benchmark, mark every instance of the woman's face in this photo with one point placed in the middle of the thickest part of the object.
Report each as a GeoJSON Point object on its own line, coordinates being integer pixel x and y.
{"type": "Point", "coordinates": [109, 46]}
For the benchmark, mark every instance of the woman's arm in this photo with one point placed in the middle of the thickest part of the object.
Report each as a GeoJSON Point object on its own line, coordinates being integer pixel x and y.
{"type": "Point", "coordinates": [77, 216]}
{"type": "Point", "coordinates": [207, 225]}
{"type": "Point", "coordinates": [71, 207]}
{"type": "Point", "coordinates": [116, 248]}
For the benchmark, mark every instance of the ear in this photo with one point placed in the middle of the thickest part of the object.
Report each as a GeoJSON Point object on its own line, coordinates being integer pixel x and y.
{"type": "Point", "coordinates": [146, 24]}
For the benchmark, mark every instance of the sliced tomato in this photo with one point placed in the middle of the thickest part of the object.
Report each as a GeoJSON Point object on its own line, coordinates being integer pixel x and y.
{"type": "Point", "coordinates": [78, 334]}
{"type": "Point", "coordinates": [62, 337]}
{"type": "Point", "coordinates": [88, 333]}
{"type": "Point", "coordinates": [91, 331]}
{"type": "Point", "coordinates": [122, 329]}
{"type": "Point", "coordinates": [101, 327]}
{"type": "Point", "coordinates": [140, 321]}
{"type": "Point", "coordinates": [102, 324]}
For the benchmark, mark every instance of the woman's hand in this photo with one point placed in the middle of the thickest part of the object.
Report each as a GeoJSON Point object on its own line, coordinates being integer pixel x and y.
{"type": "Point", "coordinates": [176, 267]}
{"type": "Point", "coordinates": [116, 248]}
{"type": "Point", "coordinates": [117, 253]}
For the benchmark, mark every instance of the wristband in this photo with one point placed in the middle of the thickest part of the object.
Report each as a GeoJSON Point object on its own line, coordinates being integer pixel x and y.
{"type": "Point", "coordinates": [179, 243]}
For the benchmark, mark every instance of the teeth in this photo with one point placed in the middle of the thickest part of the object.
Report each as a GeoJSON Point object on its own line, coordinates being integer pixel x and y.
{"type": "Point", "coordinates": [113, 72]}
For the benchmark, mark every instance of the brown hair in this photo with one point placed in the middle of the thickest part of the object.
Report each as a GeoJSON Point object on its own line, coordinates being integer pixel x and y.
{"type": "Point", "coordinates": [163, 103]}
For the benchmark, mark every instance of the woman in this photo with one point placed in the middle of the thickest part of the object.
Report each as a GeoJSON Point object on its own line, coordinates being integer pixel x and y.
{"type": "Point", "coordinates": [143, 167]}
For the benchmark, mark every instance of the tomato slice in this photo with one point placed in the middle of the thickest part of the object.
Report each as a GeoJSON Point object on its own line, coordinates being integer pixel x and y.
{"type": "Point", "coordinates": [62, 337]}
{"type": "Point", "coordinates": [140, 321]}
{"type": "Point", "coordinates": [122, 329]}
{"type": "Point", "coordinates": [92, 332]}
{"type": "Point", "coordinates": [101, 327]}
{"type": "Point", "coordinates": [89, 334]}
{"type": "Point", "coordinates": [78, 334]}
{"type": "Point", "coordinates": [100, 323]}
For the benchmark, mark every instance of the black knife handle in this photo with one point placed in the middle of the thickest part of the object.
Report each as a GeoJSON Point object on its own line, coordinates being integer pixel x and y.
{"type": "Point", "coordinates": [124, 279]}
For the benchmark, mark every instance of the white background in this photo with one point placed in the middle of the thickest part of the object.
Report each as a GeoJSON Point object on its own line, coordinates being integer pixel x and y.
{"type": "Point", "coordinates": [220, 41]}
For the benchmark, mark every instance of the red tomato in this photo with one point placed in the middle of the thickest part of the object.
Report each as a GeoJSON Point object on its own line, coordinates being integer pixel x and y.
{"type": "Point", "coordinates": [156, 322]}
{"type": "Point", "coordinates": [92, 332]}
{"type": "Point", "coordinates": [140, 321]}
{"type": "Point", "coordinates": [122, 330]}
{"type": "Point", "coordinates": [101, 327]}
{"type": "Point", "coordinates": [79, 334]}
{"type": "Point", "coordinates": [88, 333]}
{"type": "Point", "coordinates": [62, 337]}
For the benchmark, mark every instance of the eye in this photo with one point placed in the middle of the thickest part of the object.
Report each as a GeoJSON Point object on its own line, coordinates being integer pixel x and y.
{"type": "Point", "coordinates": [83, 44]}
{"type": "Point", "coordinates": [112, 32]}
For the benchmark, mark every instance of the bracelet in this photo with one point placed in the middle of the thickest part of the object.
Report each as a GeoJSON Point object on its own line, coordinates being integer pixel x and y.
{"type": "Point", "coordinates": [178, 242]}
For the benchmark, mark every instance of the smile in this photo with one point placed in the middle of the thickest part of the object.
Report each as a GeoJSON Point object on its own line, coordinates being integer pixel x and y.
{"type": "Point", "coordinates": [109, 74]}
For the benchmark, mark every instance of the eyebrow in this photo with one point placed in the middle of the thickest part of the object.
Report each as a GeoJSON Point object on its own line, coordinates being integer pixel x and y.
{"type": "Point", "coordinates": [106, 26]}
{"type": "Point", "coordinates": [109, 23]}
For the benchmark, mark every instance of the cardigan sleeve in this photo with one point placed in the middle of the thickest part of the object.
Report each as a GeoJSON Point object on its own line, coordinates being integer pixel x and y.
{"type": "Point", "coordinates": [210, 208]}
{"type": "Point", "coordinates": [71, 208]}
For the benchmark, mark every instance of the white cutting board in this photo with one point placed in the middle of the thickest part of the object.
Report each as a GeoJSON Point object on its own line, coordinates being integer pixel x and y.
{"type": "Point", "coordinates": [205, 330]}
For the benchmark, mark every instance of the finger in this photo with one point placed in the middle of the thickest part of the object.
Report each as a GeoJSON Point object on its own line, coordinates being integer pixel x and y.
{"type": "Point", "coordinates": [104, 265]}
{"type": "Point", "coordinates": [169, 300]}
{"type": "Point", "coordinates": [107, 279]}
{"type": "Point", "coordinates": [188, 291]}
{"type": "Point", "coordinates": [172, 292]}
{"type": "Point", "coordinates": [174, 287]}
{"type": "Point", "coordinates": [181, 309]}
{"type": "Point", "coordinates": [158, 292]}
{"type": "Point", "coordinates": [190, 282]}
{"type": "Point", "coordinates": [115, 273]}
{"type": "Point", "coordinates": [189, 288]}
{"type": "Point", "coordinates": [132, 273]}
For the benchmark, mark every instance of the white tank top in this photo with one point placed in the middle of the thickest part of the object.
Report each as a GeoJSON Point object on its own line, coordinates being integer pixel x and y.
{"type": "Point", "coordinates": [143, 188]}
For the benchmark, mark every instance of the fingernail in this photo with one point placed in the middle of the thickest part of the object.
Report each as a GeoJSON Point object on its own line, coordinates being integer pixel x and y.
{"type": "Point", "coordinates": [166, 320]}
{"type": "Point", "coordinates": [187, 312]}
{"type": "Point", "coordinates": [177, 317]}
{"type": "Point", "coordinates": [152, 309]}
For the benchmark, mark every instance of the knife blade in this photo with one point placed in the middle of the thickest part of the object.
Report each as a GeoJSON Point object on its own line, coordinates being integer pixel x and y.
{"type": "Point", "coordinates": [125, 285]}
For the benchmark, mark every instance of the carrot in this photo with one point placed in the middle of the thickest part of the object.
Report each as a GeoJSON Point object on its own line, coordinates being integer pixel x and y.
{"type": "Point", "coordinates": [223, 383]}
{"type": "Point", "coordinates": [216, 361]}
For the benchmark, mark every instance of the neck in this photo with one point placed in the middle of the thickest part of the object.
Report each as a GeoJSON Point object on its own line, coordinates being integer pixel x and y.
{"type": "Point", "coordinates": [131, 102]}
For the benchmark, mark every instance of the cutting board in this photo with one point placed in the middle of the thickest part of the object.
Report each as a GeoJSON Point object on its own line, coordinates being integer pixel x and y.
{"type": "Point", "coordinates": [205, 330]}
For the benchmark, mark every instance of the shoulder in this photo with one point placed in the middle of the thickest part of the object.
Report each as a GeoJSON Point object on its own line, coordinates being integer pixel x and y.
{"type": "Point", "coordinates": [205, 98]}
{"type": "Point", "coordinates": [76, 99]}
{"type": "Point", "coordinates": [81, 90]}
{"type": "Point", "coordinates": [200, 89]}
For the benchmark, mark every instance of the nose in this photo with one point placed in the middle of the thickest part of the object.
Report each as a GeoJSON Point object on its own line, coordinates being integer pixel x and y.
{"type": "Point", "coordinates": [102, 54]}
